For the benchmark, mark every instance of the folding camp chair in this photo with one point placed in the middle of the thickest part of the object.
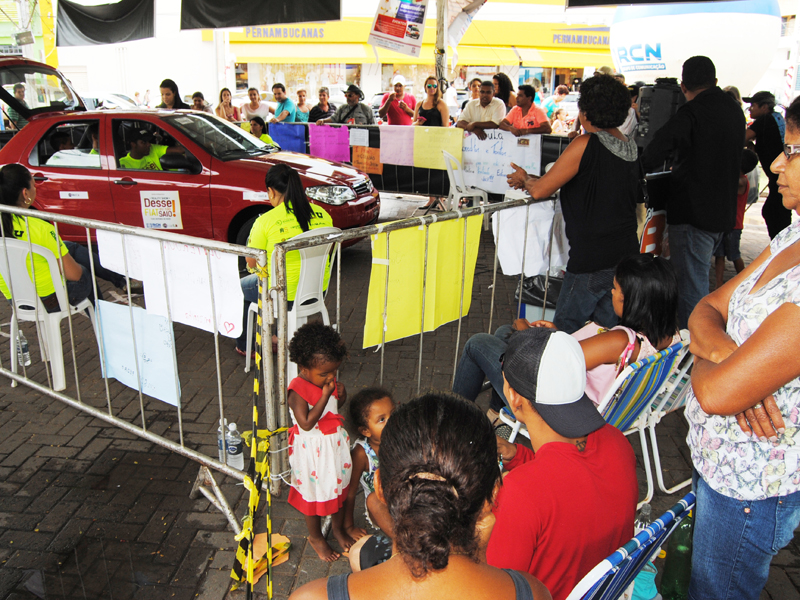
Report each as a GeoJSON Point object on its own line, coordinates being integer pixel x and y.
{"type": "Point", "coordinates": [627, 405]}
{"type": "Point", "coordinates": [609, 579]}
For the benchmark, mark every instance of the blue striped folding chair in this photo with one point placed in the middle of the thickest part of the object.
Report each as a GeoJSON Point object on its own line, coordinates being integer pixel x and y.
{"type": "Point", "coordinates": [610, 579]}
{"type": "Point", "coordinates": [628, 403]}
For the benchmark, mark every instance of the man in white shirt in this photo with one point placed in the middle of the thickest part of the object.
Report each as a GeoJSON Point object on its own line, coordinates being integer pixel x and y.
{"type": "Point", "coordinates": [484, 113]}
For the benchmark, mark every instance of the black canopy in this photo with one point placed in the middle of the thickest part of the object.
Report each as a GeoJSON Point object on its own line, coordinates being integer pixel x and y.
{"type": "Point", "coordinates": [124, 21]}
{"type": "Point", "coordinates": [210, 14]}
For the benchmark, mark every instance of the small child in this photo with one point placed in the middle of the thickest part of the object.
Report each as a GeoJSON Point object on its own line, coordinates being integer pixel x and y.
{"type": "Point", "coordinates": [370, 409]}
{"type": "Point", "coordinates": [319, 447]}
{"type": "Point", "coordinates": [729, 244]}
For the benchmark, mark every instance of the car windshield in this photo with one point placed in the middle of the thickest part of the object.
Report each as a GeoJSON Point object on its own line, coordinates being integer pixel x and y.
{"type": "Point", "coordinates": [40, 89]}
{"type": "Point", "coordinates": [219, 138]}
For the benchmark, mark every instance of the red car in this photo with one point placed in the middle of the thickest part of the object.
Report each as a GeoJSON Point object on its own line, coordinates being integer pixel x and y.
{"type": "Point", "coordinates": [212, 182]}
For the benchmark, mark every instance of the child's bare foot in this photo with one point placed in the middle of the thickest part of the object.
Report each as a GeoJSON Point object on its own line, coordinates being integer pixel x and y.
{"type": "Point", "coordinates": [344, 538]}
{"type": "Point", "coordinates": [355, 532]}
{"type": "Point", "coordinates": [323, 550]}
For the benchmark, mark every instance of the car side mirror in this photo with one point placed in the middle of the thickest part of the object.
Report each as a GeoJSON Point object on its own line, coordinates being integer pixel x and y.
{"type": "Point", "coordinates": [180, 162]}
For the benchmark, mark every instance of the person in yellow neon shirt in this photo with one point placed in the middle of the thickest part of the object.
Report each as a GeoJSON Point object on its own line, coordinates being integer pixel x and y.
{"type": "Point", "coordinates": [145, 155]}
{"type": "Point", "coordinates": [259, 129]}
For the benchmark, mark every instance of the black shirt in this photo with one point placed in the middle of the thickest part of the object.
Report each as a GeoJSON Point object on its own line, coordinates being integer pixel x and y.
{"type": "Point", "coordinates": [769, 142]}
{"type": "Point", "coordinates": [707, 137]}
{"type": "Point", "coordinates": [316, 113]}
{"type": "Point", "coordinates": [599, 208]}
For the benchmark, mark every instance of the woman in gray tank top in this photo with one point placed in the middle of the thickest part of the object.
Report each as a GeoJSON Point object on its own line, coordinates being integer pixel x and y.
{"type": "Point", "coordinates": [438, 477]}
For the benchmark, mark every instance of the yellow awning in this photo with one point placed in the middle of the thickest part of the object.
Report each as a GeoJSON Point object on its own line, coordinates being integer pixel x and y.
{"type": "Point", "coordinates": [303, 53]}
{"type": "Point", "coordinates": [478, 56]}
{"type": "Point", "coordinates": [532, 57]}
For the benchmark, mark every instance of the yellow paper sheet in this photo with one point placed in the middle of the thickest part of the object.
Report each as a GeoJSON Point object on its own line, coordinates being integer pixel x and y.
{"type": "Point", "coordinates": [406, 264]}
{"type": "Point", "coordinates": [429, 143]}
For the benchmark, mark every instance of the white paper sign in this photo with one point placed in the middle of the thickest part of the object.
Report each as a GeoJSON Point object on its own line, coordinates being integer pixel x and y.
{"type": "Point", "coordinates": [189, 290]}
{"type": "Point", "coordinates": [542, 218]}
{"type": "Point", "coordinates": [399, 26]}
{"type": "Point", "coordinates": [487, 162]}
{"type": "Point", "coordinates": [109, 246]}
{"type": "Point", "coordinates": [359, 137]}
{"type": "Point", "coordinates": [161, 210]}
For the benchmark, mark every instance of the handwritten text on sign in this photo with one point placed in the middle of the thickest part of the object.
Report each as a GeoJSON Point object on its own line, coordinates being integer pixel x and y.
{"type": "Point", "coordinates": [486, 163]}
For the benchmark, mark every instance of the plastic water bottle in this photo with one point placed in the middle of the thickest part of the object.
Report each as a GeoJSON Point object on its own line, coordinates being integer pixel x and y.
{"type": "Point", "coordinates": [221, 440]}
{"type": "Point", "coordinates": [23, 354]}
{"type": "Point", "coordinates": [678, 566]}
{"type": "Point", "coordinates": [235, 447]}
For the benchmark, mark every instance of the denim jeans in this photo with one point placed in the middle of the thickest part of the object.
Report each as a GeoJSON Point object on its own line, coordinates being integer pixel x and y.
{"type": "Point", "coordinates": [81, 255]}
{"type": "Point", "coordinates": [77, 291]}
{"type": "Point", "coordinates": [585, 297]}
{"type": "Point", "coordinates": [481, 360]}
{"type": "Point", "coordinates": [734, 542]}
{"type": "Point", "coordinates": [250, 290]}
{"type": "Point", "coordinates": [690, 251]}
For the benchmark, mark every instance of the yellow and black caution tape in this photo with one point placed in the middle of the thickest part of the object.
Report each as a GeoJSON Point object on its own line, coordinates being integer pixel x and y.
{"type": "Point", "coordinates": [257, 472]}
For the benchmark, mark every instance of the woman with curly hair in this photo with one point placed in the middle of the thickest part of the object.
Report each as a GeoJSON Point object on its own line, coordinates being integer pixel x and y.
{"type": "Point", "coordinates": [598, 175]}
{"type": "Point", "coordinates": [438, 477]}
{"type": "Point", "coordinates": [504, 89]}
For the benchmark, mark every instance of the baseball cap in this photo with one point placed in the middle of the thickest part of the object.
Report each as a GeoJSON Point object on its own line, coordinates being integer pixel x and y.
{"type": "Point", "coordinates": [760, 98]}
{"type": "Point", "coordinates": [398, 79]}
{"type": "Point", "coordinates": [548, 368]}
{"type": "Point", "coordinates": [141, 134]}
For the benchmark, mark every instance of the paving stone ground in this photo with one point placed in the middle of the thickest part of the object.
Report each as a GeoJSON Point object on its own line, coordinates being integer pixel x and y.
{"type": "Point", "coordinates": [89, 511]}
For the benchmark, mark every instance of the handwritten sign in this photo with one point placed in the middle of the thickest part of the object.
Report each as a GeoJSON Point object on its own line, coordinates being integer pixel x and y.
{"type": "Point", "coordinates": [486, 163]}
{"type": "Point", "coordinates": [154, 359]}
{"type": "Point", "coordinates": [359, 137]}
{"type": "Point", "coordinates": [367, 160]}
{"type": "Point", "coordinates": [397, 145]}
{"type": "Point", "coordinates": [189, 288]}
{"type": "Point", "coordinates": [109, 245]}
{"type": "Point", "coordinates": [328, 142]}
{"type": "Point", "coordinates": [429, 143]}
{"type": "Point", "coordinates": [288, 136]}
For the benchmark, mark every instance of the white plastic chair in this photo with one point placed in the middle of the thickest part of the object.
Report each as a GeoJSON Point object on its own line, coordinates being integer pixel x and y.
{"type": "Point", "coordinates": [309, 298]}
{"type": "Point", "coordinates": [27, 301]}
{"type": "Point", "coordinates": [458, 188]}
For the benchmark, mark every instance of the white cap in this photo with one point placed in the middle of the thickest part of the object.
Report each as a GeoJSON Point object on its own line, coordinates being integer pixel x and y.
{"type": "Point", "coordinates": [398, 79]}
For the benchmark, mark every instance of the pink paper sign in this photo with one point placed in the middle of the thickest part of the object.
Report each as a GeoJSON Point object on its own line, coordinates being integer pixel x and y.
{"type": "Point", "coordinates": [328, 142]}
{"type": "Point", "coordinates": [397, 145]}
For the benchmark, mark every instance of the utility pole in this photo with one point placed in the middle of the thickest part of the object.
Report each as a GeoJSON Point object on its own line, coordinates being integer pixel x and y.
{"type": "Point", "coordinates": [441, 44]}
{"type": "Point", "coordinates": [24, 14]}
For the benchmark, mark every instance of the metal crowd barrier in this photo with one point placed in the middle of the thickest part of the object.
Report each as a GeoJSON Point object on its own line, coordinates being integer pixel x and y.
{"type": "Point", "coordinates": [114, 409]}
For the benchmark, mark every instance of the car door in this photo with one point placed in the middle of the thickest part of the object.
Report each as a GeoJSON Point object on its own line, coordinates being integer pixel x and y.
{"type": "Point", "coordinates": [171, 200]}
{"type": "Point", "coordinates": [72, 179]}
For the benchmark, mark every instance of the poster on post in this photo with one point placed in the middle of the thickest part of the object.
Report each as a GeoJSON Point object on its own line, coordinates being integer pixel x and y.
{"type": "Point", "coordinates": [399, 26]}
{"type": "Point", "coordinates": [139, 352]}
{"type": "Point", "coordinates": [486, 163]}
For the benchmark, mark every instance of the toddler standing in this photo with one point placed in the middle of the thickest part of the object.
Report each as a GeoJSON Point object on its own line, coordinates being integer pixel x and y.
{"type": "Point", "coordinates": [319, 447]}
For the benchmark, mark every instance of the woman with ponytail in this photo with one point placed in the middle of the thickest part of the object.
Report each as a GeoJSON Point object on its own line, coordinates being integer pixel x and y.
{"type": "Point", "coordinates": [438, 477]}
{"type": "Point", "coordinates": [18, 189]}
{"type": "Point", "coordinates": [291, 215]}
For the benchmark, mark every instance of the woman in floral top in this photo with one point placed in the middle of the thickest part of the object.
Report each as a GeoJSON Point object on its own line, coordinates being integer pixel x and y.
{"type": "Point", "coordinates": [744, 412]}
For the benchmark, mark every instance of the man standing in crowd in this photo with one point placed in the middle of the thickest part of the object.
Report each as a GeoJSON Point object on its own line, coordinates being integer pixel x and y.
{"type": "Point", "coordinates": [17, 122]}
{"type": "Point", "coordinates": [398, 108]}
{"type": "Point", "coordinates": [767, 130]}
{"type": "Point", "coordinates": [286, 110]}
{"type": "Point", "coordinates": [547, 509]}
{"type": "Point", "coordinates": [706, 136]}
{"type": "Point", "coordinates": [323, 108]}
{"type": "Point", "coordinates": [525, 117]}
{"type": "Point", "coordinates": [354, 112]}
{"type": "Point", "coordinates": [550, 105]}
{"type": "Point", "coordinates": [484, 113]}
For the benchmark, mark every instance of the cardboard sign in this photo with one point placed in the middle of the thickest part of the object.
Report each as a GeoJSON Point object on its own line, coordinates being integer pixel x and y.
{"type": "Point", "coordinates": [367, 160]}
{"type": "Point", "coordinates": [161, 210]}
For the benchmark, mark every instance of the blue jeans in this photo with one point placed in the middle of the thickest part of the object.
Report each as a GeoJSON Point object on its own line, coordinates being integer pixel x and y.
{"type": "Point", "coordinates": [690, 251]}
{"type": "Point", "coordinates": [481, 360]}
{"type": "Point", "coordinates": [250, 290]}
{"type": "Point", "coordinates": [77, 291]}
{"type": "Point", "coordinates": [585, 297]}
{"type": "Point", "coordinates": [81, 255]}
{"type": "Point", "coordinates": [734, 542]}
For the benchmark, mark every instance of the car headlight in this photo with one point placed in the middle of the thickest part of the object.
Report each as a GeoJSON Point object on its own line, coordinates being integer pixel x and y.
{"type": "Point", "coordinates": [331, 194]}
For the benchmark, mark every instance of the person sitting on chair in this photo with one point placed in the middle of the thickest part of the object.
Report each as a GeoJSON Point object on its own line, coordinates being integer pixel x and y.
{"type": "Point", "coordinates": [568, 506]}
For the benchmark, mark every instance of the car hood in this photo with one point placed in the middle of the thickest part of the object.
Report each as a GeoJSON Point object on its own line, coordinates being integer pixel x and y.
{"type": "Point", "coordinates": [312, 167]}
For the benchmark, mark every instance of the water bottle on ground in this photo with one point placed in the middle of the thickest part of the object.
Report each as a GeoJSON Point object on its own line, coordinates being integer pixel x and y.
{"type": "Point", "coordinates": [678, 566]}
{"type": "Point", "coordinates": [221, 440]}
{"type": "Point", "coordinates": [235, 447]}
{"type": "Point", "coordinates": [23, 354]}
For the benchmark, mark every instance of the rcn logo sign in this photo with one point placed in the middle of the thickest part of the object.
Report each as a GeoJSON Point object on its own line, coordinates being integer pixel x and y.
{"type": "Point", "coordinates": [640, 57]}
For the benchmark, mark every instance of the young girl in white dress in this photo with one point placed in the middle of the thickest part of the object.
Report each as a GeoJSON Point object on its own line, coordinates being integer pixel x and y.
{"type": "Point", "coordinates": [319, 453]}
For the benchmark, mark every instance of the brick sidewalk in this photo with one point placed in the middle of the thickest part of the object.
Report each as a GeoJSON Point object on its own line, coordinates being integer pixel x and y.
{"type": "Point", "coordinates": [91, 511]}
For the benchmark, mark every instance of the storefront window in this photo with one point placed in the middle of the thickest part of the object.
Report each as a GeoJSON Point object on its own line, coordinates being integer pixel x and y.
{"type": "Point", "coordinates": [241, 76]}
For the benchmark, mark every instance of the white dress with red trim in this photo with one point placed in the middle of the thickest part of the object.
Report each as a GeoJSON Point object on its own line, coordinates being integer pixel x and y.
{"type": "Point", "coordinates": [319, 458]}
